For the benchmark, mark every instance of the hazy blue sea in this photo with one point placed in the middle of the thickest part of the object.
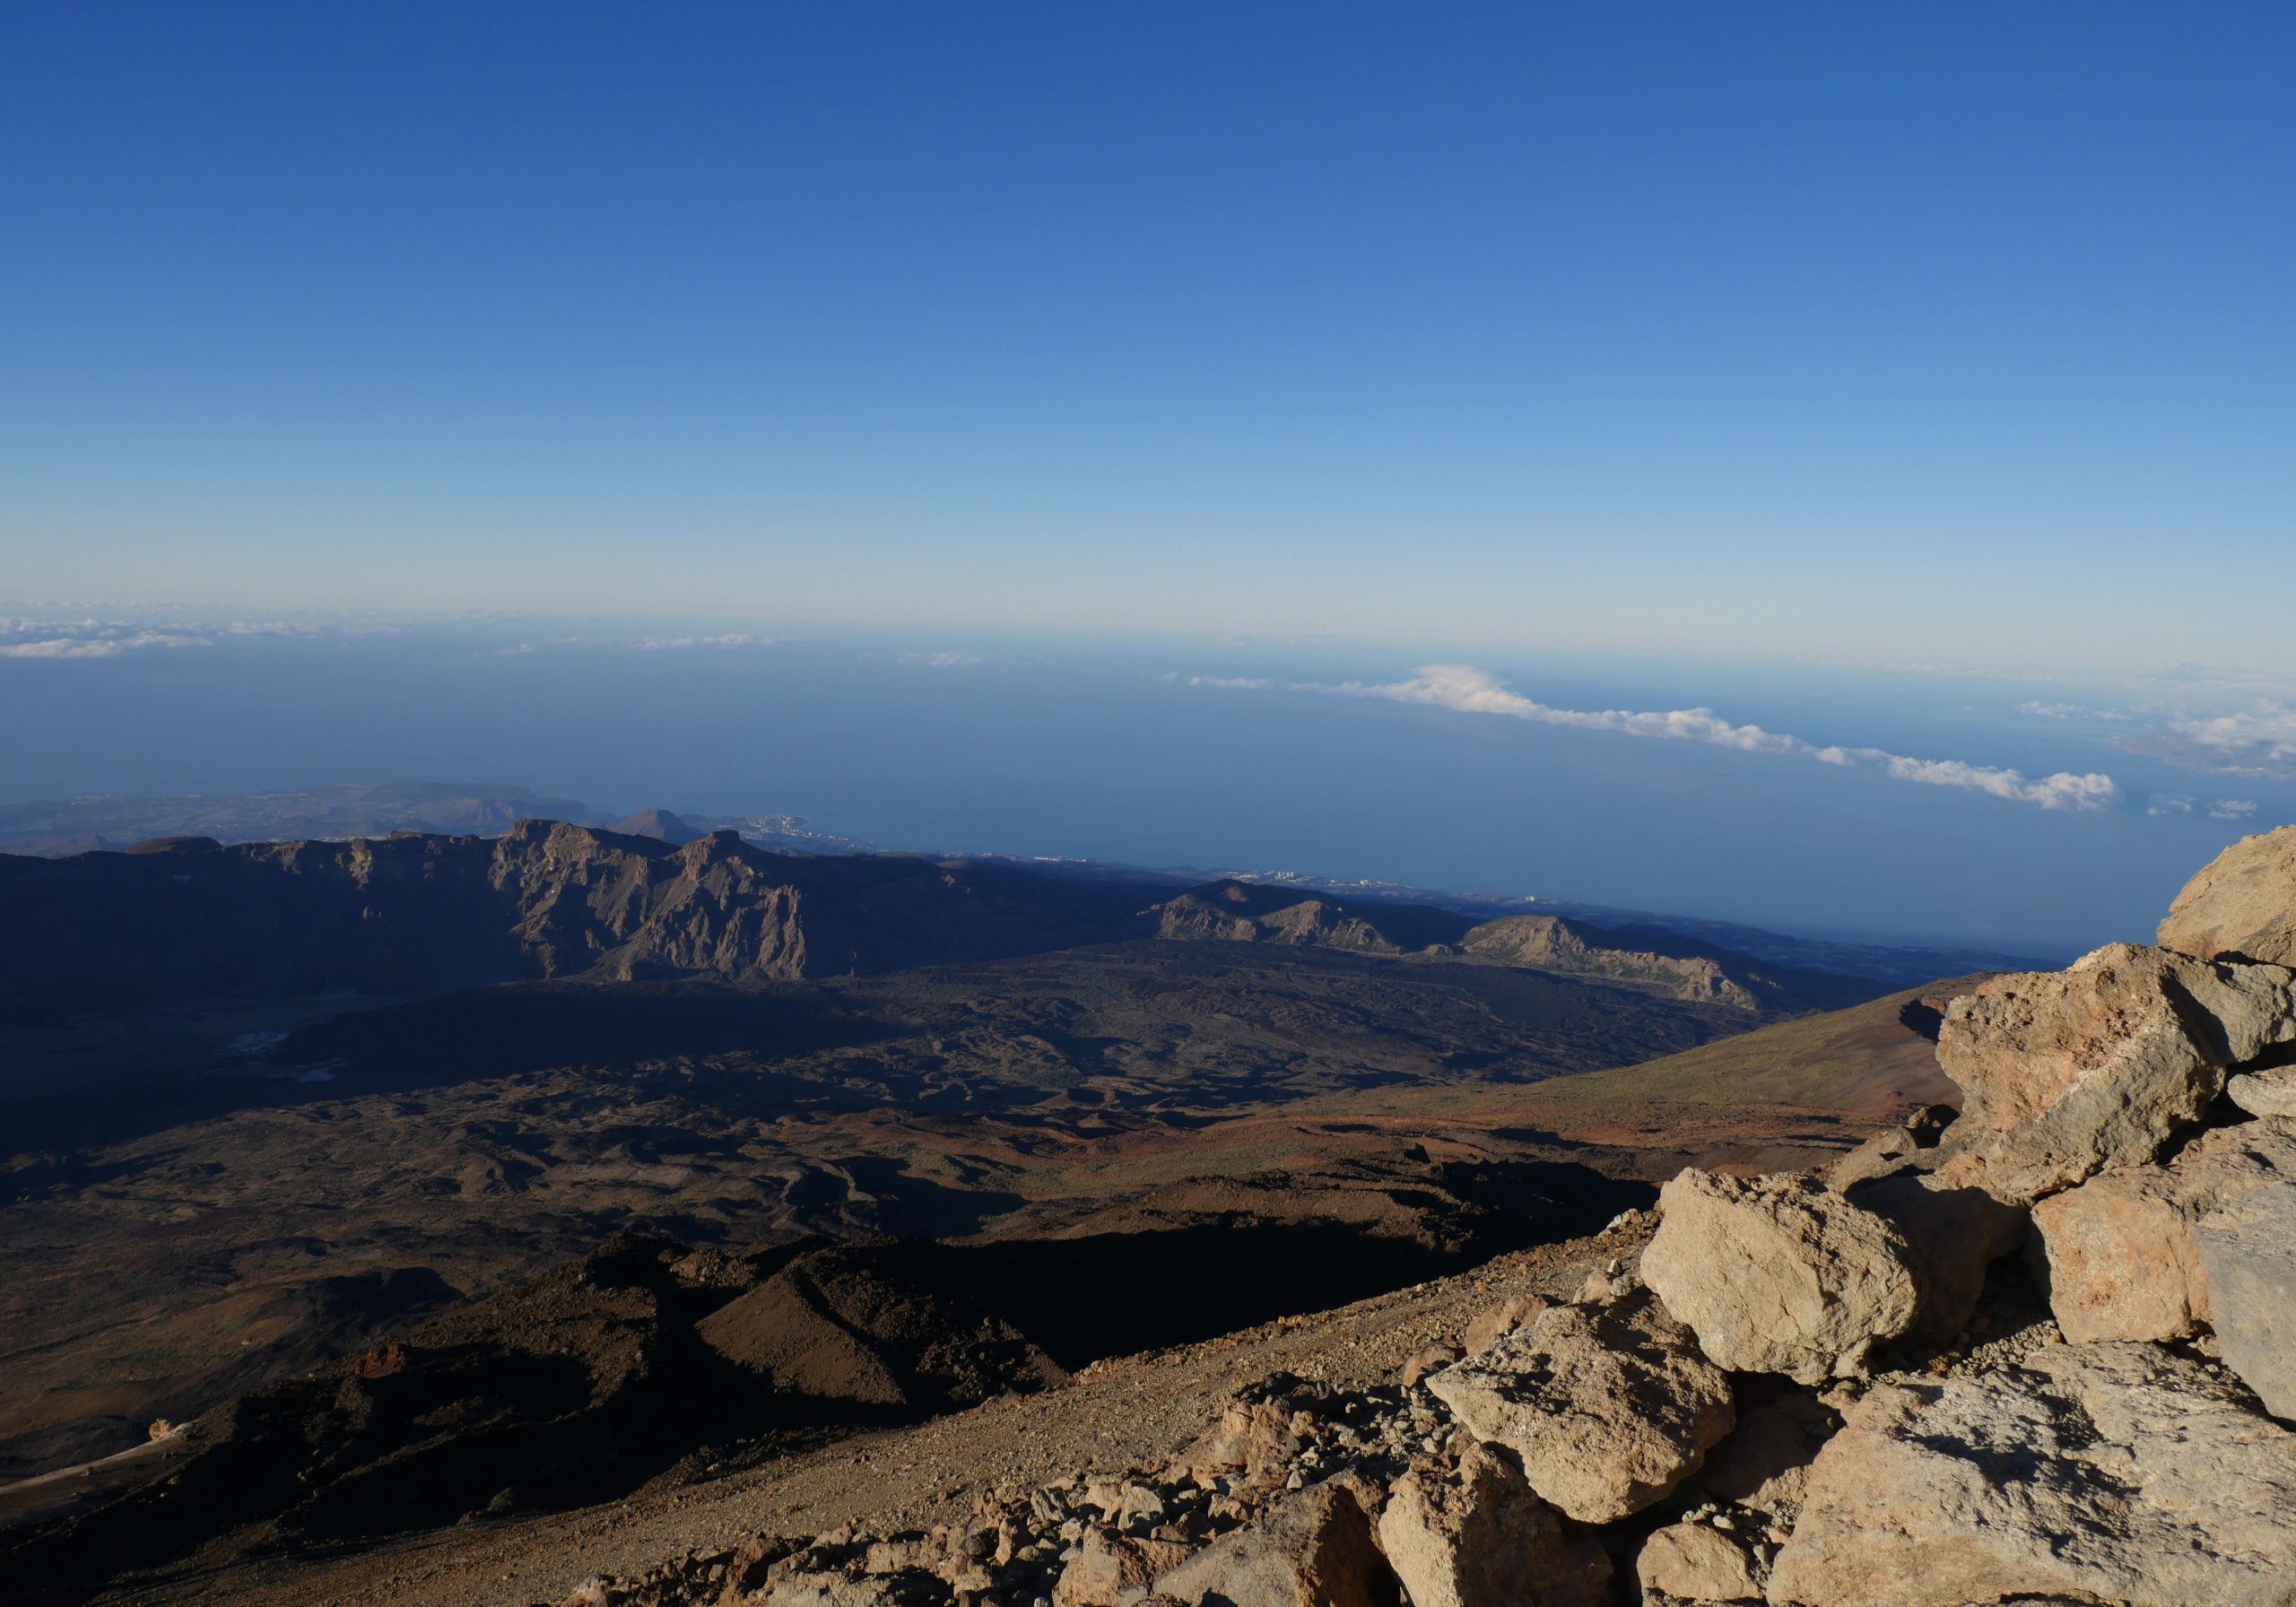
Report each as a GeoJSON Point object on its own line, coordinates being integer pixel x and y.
{"type": "Point", "coordinates": [1105, 749]}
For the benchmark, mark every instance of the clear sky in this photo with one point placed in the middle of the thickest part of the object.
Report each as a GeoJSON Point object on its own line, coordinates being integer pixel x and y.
{"type": "Point", "coordinates": [1920, 333]}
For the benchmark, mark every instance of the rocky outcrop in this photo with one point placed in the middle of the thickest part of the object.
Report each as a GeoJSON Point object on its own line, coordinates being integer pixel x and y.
{"type": "Point", "coordinates": [415, 912]}
{"type": "Point", "coordinates": [1497, 1321]}
{"type": "Point", "coordinates": [2241, 906]}
{"type": "Point", "coordinates": [1780, 1274]}
{"type": "Point", "coordinates": [1111, 1568]}
{"type": "Point", "coordinates": [1312, 1550]}
{"type": "Point", "coordinates": [1247, 912]}
{"type": "Point", "coordinates": [1476, 1536]}
{"type": "Point", "coordinates": [2248, 1260]}
{"type": "Point", "coordinates": [2267, 1093]}
{"type": "Point", "coordinates": [2067, 1073]}
{"type": "Point", "coordinates": [1996, 1463]}
{"type": "Point", "coordinates": [1609, 1407]}
{"type": "Point", "coordinates": [1548, 942]}
{"type": "Point", "coordinates": [2114, 1472]}
{"type": "Point", "coordinates": [1695, 1562]}
{"type": "Point", "coordinates": [2116, 1254]}
{"type": "Point", "coordinates": [1891, 1150]}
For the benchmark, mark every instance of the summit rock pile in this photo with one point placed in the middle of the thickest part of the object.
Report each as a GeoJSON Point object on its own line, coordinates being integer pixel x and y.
{"type": "Point", "coordinates": [2042, 1353]}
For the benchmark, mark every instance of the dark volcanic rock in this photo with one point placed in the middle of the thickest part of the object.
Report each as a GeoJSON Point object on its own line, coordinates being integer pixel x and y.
{"type": "Point", "coordinates": [188, 918]}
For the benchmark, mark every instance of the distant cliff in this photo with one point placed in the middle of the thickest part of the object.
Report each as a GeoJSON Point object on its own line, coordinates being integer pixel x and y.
{"type": "Point", "coordinates": [187, 918]}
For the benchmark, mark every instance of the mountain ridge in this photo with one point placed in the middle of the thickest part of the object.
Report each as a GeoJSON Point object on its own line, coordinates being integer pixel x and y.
{"type": "Point", "coordinates": [188, 917]}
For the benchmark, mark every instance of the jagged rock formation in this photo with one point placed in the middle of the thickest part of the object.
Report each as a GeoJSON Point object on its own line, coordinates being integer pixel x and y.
{"type": "Point", "coordinates": [1549, 942]}
{"type": "Point", "coordinates": [2070, 1072]}
{"type": "Point", "coordinates": [411, 912]}
{"type": "Point", "coordinates": [2047, 1463]}
{"type": "Point", "coordinates": [1607, 1406]}
{"type": "Point", "coordinates": [184, 919]}
{"type": "Point", "coordinates": [1231, 911]}
{"type": "Point", "coordinates": [1642, 957]}
{"type": "Point", "coordinates": [2107, 1472]}
{"type": "Point", "coordinates": [2242, 906]}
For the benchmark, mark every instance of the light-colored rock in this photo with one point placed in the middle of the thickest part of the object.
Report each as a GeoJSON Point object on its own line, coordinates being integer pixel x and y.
{"type": "Point", "coordinates": [1312, 1549]}
{"type": "Point", "coordinates": [1609, 1407]}
{"type": "Point", "coordinates": [1879, 1156]}
{"type": "Point", "coordinates": [1111, 1569]}
{"type": "Point", "coordinates": [1955, 1235]}
{"type": "Point", "coordinates": [2116, 1254]}
{"type": "Point", "coordinates": [1477, 1537]}
{"type": "Point", "coordinates": [2115, 1257]}
{"type": "Point", "coordinates": [834, 1588]}
{"type": "Point", "coordinates": [1429, 1358]}
{"type": "Point", "coordinates": [2271, 1093]}
{"type": "Point", "coordinates": [2247, 1259]}
{"type": "Point", "coordinates": [2114, 1472]}
{"type": "Point", "coordinates": [1494, 1323]}
{"type": "Point", "coordinates": [2069, 1072]}
{"type": "Point", "coordinates": [1252, 1444]}
{"type": "Point", "coordinates": [1690, 1562]}
{"type": "Point", "coordinates": [1892, 1150]}
{"type": "Point", "coordinates": [2242, 904]}
{"type": "Point", "coordinates": [1780, 1274]}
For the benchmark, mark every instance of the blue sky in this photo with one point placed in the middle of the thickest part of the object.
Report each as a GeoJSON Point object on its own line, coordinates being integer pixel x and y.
{"type": "Point", "coordinates": [1914, 333]}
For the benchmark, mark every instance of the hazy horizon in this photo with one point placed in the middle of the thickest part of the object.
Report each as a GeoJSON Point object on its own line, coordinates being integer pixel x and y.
{"type": "Point", "coordinates": [2043, 817]}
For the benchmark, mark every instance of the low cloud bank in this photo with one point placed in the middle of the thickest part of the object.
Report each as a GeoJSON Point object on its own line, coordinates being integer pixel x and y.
{"type": "Point", "coordinates": [1466, 690]}
{"type": "Point", "coordinates": [2259, 740]}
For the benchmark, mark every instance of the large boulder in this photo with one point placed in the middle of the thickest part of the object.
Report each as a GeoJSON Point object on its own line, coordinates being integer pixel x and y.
{"type": "Point", "coordinates": [2114, 1472]}
{"type": "Point", "coordinates": [2116, 1254]}
{"type": "Point", "coordinates": [2069, 1072]}
{"type": "Point", "coordinates": [1478, 1537]}
{"type": "Point", "coordinates": [2248, 1257]}
{"type": "Point", "coordinates": [1780, 1274]}
{"type": "Point", "coordinates": [2241, 906]}
{"type": "Point", "coordinates": [1312, 1549]}
{"type": "Point", "coordinates": [1111, 1568]}
{"type": "Point", "coordinates": [1609, 1407]}
{"type": "Point", "coordinates": [1689, 1562]}
{"type": "Point", "coordinates": [2266, 1093]}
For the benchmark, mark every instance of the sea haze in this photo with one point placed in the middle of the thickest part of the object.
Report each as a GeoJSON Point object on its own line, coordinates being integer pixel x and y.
{"type": "Point", "coordinates": [1254, 755]}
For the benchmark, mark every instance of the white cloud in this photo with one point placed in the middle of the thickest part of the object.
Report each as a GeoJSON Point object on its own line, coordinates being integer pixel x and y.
{"type": "Point", "coordinates": [670, 644]}
{"type": "Point", "coordinates": [1239, 684]}
{"type": "Point", "coordinates": [951, 660]}
{"type": "Point", "coordinates": [2232, 809]}
{"type": "Point", "coordinates": [956, 660]}
{"type": "Point", "coordinates": [2169, 804]}
{"type": "Point", "coordinates": [113, 638]}
{"type": "Point", "coordinates": [101, 646]}
{"type": "Point", "coordinates": [2257, 741]}
{"type": "Point", "coordinates": [1467, 690]}
{"type": "Point", "coordinates": [2067, 712]}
